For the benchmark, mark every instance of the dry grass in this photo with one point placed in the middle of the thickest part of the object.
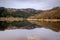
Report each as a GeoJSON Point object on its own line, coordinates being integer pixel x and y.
{"type": "Point", "coordinates": [10, 19]}
{"type": "Point", "coordinates": [52, 14]}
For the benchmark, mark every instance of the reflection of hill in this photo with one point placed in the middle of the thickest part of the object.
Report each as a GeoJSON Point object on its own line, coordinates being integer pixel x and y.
{"type": "Point", "coordinates": [48, 24]}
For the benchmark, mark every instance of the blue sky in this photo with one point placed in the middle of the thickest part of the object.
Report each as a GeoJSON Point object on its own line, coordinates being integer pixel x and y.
{"type": "Point", "coordinates": [36, 4]}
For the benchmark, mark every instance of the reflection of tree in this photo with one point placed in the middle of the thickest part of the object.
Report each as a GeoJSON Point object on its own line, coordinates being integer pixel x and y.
{"type": "Point", "coordinates": [16, 24]}
{"type": "Point", "coordinates": [3, 25]}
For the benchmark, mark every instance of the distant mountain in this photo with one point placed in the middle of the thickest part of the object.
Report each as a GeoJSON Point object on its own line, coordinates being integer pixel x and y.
{"type": "Point", "coordinates": [28, 10]}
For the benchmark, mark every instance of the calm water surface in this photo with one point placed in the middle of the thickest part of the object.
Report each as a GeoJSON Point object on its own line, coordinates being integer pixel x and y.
{"type": "Point", "coordinates": [33, 34]}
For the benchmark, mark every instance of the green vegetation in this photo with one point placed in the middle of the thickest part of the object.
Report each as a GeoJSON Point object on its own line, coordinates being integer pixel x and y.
{"type": "Point", "coordinates": [20, 14]}
{"type": "Point", "coordinates": [4, 12]}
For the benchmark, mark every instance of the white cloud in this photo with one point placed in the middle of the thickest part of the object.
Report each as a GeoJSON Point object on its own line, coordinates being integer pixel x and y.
{"type": "Point", "coordinates": [37, 4]}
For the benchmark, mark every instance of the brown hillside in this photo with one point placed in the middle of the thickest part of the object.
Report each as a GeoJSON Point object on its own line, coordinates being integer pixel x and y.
{"type": "Point", "coordinates": [48, 14]}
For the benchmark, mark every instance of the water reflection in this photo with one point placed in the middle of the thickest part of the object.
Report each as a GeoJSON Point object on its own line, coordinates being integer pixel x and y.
{"type": "Point", "coordinates": [53, 25]}
{"type": "Point", "coordinates": [33, 34]}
